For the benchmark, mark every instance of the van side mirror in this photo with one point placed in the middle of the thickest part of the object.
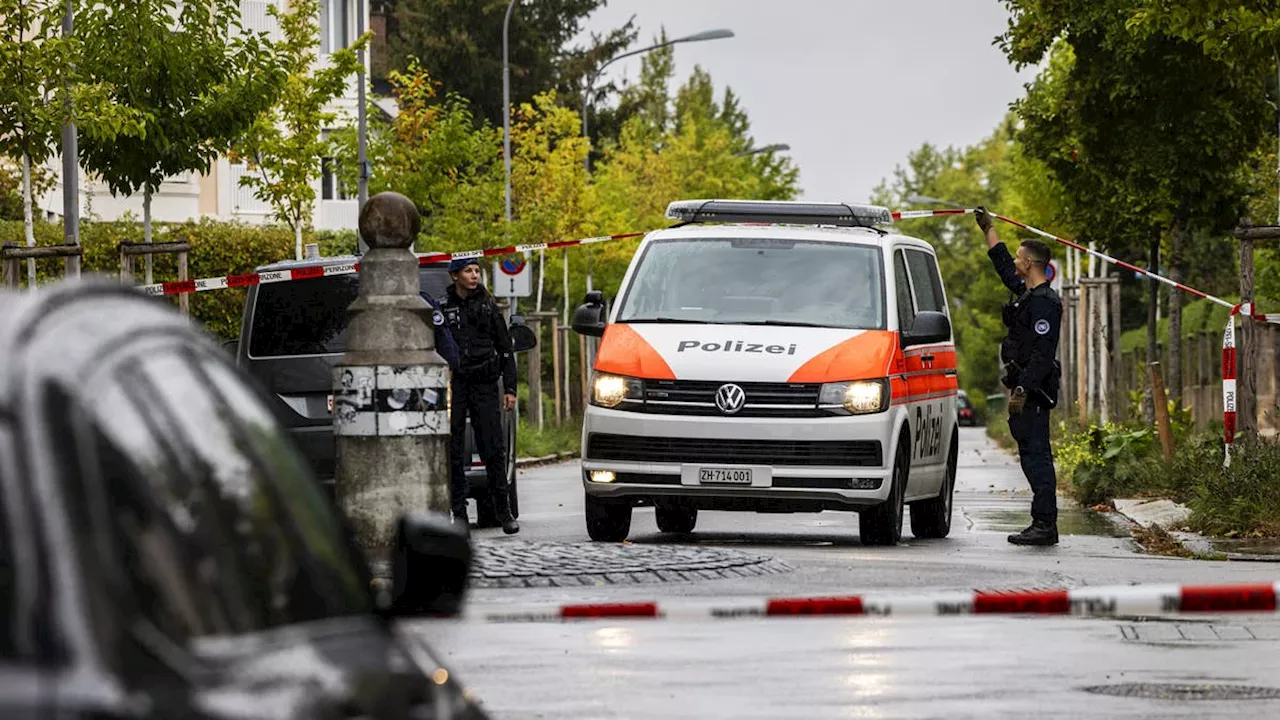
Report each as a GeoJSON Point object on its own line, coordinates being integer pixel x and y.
{"type": "Point", "coordinates": [589, 318]}
{"type": "Point", "coordinates": [429, 566]}
{"type": "Point", "coordinates": [522, 336]}
{"type": "Point", "coordinates": [929, 327]}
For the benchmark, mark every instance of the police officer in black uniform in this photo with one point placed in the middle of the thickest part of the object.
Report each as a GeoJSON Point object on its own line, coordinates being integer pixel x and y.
{"type": "Point", "coordinates": [485, 356]}
{"type": "Point", "coordinates": [1030, 371]}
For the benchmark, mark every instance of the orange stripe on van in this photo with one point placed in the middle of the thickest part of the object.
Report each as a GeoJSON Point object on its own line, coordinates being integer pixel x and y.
{"type": "Point", "coordinates": [623, 352]}
{"type": "Point", "coordinates": [860, 357]}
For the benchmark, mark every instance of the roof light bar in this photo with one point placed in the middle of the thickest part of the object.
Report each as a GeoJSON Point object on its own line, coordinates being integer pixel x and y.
{"type": "Point", "coordinates": [782, 212]}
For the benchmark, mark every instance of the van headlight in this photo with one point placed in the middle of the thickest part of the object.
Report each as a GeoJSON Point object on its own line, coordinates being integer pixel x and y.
{"type": "Point", "coordinates": [860, 397]}
{"type": "Point", "coordinates": [611, 390]}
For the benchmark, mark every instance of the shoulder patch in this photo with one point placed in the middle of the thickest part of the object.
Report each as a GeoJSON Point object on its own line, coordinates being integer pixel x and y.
{"type": "Point", "coordinates": [1042, 327]}
{"type": "Point", "coordinates": [437, 317]}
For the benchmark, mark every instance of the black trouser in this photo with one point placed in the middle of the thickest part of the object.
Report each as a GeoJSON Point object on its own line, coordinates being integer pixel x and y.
{"type": "Point", "coordinates": [483, 401]}
{"type": "Point", "coordinates": [1031, 430]}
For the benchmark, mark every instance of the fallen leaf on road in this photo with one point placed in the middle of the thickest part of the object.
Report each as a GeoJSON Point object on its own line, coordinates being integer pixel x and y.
{"type": "Point", "coordinates": [1102, 507]}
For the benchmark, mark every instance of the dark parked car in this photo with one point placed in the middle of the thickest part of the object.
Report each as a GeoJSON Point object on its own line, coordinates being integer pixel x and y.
{"type": "Point", "coordinates": [292, 335]}
{"type": "Point", "coordinates": [166, 552]}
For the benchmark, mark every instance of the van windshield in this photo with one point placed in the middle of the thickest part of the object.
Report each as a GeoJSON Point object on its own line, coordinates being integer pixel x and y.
{"type": "Point", "coordinates": [758, 281]}
{"type": "Point", "coordinates": [309, 317]}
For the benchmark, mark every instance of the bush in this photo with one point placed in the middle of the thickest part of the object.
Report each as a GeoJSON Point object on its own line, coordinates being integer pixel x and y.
{"type": "Point", "coordinates": [1239, 500]}
{"type": "Point", "coordinates": [217, 248]}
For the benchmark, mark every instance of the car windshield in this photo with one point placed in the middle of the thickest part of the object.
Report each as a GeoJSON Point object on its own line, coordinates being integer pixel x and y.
{"type": "Point", "coordinates": [309, 317]}
{"type": "Point", "coordinates": [758, 281]}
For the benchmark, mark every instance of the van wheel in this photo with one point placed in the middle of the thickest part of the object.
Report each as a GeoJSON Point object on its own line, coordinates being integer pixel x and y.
{"type": "Point", "coordinates": [607, 520]}
{"type": "Point", "coordinates": [882, 524]}
{"type": "Point", "coordinates": [932, 518]}
{"type": "Point", "coordinates": [676, 518]}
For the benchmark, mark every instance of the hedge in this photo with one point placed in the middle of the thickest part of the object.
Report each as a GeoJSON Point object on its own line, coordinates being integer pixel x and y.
{"type": "Point", "coordinates": [217, 248]}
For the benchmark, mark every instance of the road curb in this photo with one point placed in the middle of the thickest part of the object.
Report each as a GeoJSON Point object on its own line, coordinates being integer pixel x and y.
{"type": "Point", "coordinates": [527, 462]}
{"type": "Point", "coordinates": [1168, 515]}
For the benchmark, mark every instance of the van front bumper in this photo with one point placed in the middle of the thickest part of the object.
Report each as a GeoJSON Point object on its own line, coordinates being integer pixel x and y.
{"type": "Point", "coordinates": [798, 464]}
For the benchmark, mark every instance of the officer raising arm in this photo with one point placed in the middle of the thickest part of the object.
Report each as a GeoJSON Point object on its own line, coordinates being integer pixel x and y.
{"type": "Point", "coordinates": [1031, 371]}
{"type": "Point", "coordinates": [485, 357]}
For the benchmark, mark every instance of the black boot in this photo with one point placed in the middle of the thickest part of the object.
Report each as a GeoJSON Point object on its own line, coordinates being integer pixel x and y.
{"type": "Point", "coordinates": [509, 525]}
{"type": "Point", "coordinates": [1038, 534]}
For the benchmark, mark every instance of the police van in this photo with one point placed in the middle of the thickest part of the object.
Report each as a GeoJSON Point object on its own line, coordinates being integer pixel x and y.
{"type": "Point", "coordinates": [766, 356]}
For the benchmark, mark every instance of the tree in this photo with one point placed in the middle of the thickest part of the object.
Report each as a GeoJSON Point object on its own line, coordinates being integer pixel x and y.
{"type": "Point", "coordinates": [1138, 125]}
{"type": "Point", "coordinates": [284, 146]}
{"type": "Point", "coordinates": [191, 70]}
{"type": "Point", "coordinates": [460, 42]}
{"type": "Point", "coordinates": [42, 85]}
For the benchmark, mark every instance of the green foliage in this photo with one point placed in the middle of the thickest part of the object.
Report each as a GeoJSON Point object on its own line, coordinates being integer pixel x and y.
{"type": "Point", "coordinates": [284, 146]}
{"type": "Point", "coordinates": [188, 70]}
{"type": "Point", "coordinates": [1108, 461]}
{"type": "Point", "coordinates": [460, 41]}
{"type": "Point", "coordinates": [552, 438]}
{"type": "Point", "coordinates": [1240, 500]}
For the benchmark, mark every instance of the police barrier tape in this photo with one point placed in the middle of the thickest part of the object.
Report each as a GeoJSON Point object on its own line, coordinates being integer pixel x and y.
{"type": "Point", "coordinates": [316, 271]}
{"type": "Point", "coordinates": [1228, 338]}
{"type": "Point", "coordinates": [307, 273]}
{"type": "Point", "coordinates": [1120, 601]}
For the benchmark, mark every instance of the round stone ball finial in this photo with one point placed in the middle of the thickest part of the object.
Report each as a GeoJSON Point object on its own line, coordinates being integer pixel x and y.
{"type": "Point", "coordinates": [389, 220]}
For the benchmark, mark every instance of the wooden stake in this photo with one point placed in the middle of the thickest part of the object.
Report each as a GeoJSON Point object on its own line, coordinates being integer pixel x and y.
{"type": "Point", "coordinates": [1162, 411]}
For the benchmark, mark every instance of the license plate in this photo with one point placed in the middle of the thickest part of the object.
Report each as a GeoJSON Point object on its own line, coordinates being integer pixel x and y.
{"type": "Point", "coordinates": [725, 476]}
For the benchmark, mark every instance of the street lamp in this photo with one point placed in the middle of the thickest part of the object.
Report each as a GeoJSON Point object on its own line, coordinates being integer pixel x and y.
{"type": "Point", "coordinates": [591, 79]}
{"type": "Point", "coordinates": [780, 147]}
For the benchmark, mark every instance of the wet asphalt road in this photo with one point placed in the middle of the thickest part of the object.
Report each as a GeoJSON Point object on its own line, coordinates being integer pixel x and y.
{"type": "Point", "coordinates": [864, 667]}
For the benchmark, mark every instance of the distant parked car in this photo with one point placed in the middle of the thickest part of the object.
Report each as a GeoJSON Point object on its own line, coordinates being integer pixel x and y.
{"type": "Point", "coordinates": [968, 414]}
{"type": "Point", "coordinates": [165, 550]}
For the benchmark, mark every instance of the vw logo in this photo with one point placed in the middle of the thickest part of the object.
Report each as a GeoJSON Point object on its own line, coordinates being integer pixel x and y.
{"type": "Point", "coordinates": [730, 398]}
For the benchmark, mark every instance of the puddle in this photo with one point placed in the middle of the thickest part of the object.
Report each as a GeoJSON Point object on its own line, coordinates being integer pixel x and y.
{"type": "Point", "coordinates": [1268, 547]}
{"type": "Point", "coordinates": [1071, 521]}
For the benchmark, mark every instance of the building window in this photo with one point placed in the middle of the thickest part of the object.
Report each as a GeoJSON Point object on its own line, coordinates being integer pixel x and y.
{"type": "Point", "coordinates": [335, 25]}
{"type": "Point", "coordinates": [330, 184]}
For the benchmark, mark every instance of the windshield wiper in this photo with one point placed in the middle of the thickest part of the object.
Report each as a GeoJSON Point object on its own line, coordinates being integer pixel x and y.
{"type": "Point", "coordinates": [782, 323]}
{"type": "Point", "coordinates": [680, 321]}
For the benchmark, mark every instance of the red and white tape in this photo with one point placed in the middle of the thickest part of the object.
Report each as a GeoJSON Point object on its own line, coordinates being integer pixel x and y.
{"type": "Point", "coordinates": [309, 273]}
{"type": "Point", "coordinates": [1122, 601]}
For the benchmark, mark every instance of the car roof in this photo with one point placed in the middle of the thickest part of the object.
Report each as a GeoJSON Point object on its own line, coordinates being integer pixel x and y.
{"type": "Point", "coordinates": [41, 340]}
{"type": "Point", "coordinates": [328, 261]}
{"type": "Point", "coordinates": [818, 233]}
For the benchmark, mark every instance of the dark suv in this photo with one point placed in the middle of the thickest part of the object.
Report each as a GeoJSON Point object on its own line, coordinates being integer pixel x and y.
{"type": "Point", "coordinates": [292, 335]}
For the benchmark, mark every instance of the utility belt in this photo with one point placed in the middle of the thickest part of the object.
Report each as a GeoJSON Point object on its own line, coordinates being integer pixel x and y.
{"type": "Point", "coordinates": [479, 365]}
{"type": "Point", "coordinates": [1047, 394]}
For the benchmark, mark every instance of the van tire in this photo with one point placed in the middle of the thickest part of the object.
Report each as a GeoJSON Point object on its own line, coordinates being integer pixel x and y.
{"type": "Point", "coordinates": [676, 518]}
{"type": "Point", "coordinates": [882, 524]}
{"type": "Point", "coordinates": [932, 518]}
{"type": "Point", "coordinates": [607, 520]}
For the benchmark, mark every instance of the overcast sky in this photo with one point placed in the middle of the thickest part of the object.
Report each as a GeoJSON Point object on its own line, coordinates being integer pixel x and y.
{"type": "Point", "coordinates": [851, 85]}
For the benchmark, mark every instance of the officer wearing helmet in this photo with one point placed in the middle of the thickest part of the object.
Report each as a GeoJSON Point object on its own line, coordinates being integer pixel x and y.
{"type": "Point", "coordinates": [485, 357]}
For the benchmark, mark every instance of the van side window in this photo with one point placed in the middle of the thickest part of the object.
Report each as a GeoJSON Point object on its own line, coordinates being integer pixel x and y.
{"type": "Point", "coordinates": [925, 280]}
{"type": "Point", "coordinates": [902, 288]}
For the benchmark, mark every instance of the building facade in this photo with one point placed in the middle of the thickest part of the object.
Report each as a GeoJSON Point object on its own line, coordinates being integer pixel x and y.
{"type": "Point", "coordinates": [218, 193]}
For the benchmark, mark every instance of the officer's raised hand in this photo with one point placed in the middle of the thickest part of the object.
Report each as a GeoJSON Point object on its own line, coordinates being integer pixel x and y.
{"type": "Point", "coordinates": [983, 218]}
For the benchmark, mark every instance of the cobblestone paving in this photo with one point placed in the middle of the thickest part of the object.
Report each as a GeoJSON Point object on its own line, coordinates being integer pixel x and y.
{"type": "Point", "coordinates": [519, 564]}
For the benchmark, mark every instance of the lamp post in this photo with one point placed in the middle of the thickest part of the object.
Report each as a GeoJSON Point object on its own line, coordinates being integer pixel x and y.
{"type": "Point", "coordinates": [591, 79]}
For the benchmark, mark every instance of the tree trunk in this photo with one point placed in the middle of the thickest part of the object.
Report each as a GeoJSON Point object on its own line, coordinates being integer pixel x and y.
{"type": "Point", "coordinates": [146, 226]}
{"type": "Point", "coordinates": [297, 235]}
{"type": "Point", "coordinates": [28, 219]}
{"type": "Point", "coordinates": [1152, 319]}
{"type": "Point", "coordinates": [1178, 241]}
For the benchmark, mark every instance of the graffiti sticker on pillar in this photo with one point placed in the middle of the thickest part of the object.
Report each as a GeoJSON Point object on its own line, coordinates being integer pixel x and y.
{"type": "Point", "coordinates": [391, 400]}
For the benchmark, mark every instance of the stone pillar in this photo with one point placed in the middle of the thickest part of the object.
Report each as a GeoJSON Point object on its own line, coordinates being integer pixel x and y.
{"type": "Point", "coordinates": [391, 388]}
